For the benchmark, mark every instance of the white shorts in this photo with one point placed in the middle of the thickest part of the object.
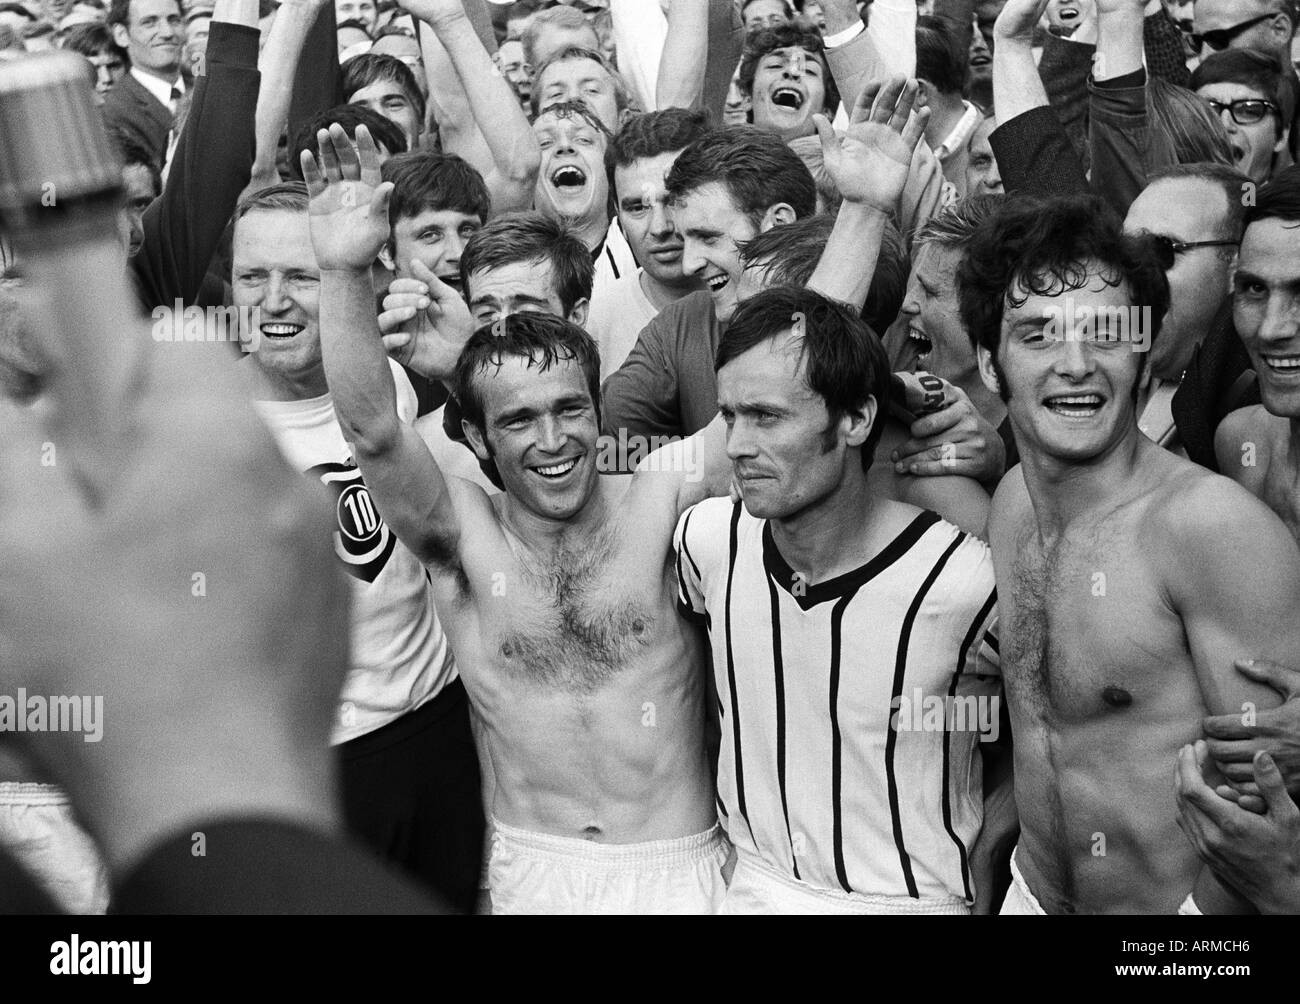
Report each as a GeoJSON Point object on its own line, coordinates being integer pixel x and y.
{"type": "Point", "coordinates": [38, 828]}
{"type": "Point", "coordinates": [536, 873]}
{"type": "Point", "coordinates": [756, 888]}
{"type": "Point", "coordinates": [1019, 901]}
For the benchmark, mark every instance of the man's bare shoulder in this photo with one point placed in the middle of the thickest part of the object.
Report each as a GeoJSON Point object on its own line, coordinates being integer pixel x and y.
{"type": "Point", "coordinates": [1194, 515]}
{"type": "Point", "coordinates": [1010, 503]}
{"type": "Point", "coordinates": [1244, 441]}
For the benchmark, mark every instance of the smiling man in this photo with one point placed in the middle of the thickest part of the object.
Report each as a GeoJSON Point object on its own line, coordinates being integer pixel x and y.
{"type": "Point", "coordinates": [928, 336]}
{"type": "Point", "coordinates": [724, 188]}
{"type": "Point", "coordinates": [1129, 580]}
{"type": "Point", "coordinates": [409, 771]}
{"type": "Point", "coordinates": [143, 103]}
{"type": "Point", "coordinates": [573, 185]}
{"type": "Point", "coordinates": [1259, 447]}
{"type": "Point", "coordinates": [785, 80]}
{"type": "Point", "coordinates": [558, 592]}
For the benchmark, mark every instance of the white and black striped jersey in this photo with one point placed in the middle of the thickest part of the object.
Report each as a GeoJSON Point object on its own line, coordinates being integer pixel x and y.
{"type": "Point", "coordinates": [851, 709]}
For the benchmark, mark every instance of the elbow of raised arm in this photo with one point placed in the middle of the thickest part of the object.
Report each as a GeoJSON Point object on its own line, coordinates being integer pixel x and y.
{"type": "Point", "coordinates": [523, 165]}
{"type": "Point", "coordinates": [372, 435]}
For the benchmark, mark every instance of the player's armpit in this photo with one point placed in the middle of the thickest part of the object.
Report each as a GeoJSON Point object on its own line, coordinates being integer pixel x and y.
{"type": "Point", "coordinates": [413, 496]}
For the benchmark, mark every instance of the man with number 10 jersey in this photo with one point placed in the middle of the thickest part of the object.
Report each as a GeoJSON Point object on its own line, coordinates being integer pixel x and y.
{"type": "Point", "coordinates": [408, 768]}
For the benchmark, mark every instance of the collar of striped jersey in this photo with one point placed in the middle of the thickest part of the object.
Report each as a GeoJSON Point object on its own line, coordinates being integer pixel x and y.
{"type": "Point", "coordinates": [808, 595]}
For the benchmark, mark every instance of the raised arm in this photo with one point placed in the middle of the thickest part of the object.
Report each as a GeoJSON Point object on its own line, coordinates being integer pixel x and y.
{"type": "Point", "coordinates": [887, 47]}
{"type": "Point", "coordinates": [349, 224]}
{"type": "Point", "coordinates": [490, 106]}
{"type": "Point", "coordinates": [870, 166]}
{"type": "Point", "coordinates": [210, 167]}
{"type": "Point", "coordinates": [685, 54]}
{"type": "Point", "coordinates": [1017, 88]}
{"type": "Point", "coordinates": [640, 30]}
{"type": "Point", "coordinates": [1119, 38]}
{"type": "Point", "coordinates": [279, 65]}
{"type": "Point", "coordinates": [1031, 144]}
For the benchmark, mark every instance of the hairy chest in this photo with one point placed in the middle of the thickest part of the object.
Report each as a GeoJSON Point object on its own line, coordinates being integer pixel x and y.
{"type": "Point", "coordinates": [1084, 627]}
{"type": "Point", "coordinates": [576, 618]}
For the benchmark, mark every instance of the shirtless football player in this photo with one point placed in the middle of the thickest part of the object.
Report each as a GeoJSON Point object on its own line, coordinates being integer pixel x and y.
{"type": "Point", "coordinates": [1129, 580]}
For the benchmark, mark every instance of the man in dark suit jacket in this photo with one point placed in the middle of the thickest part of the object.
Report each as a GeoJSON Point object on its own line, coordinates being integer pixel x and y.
{"type": "Point", "coordinates": [142, 105]}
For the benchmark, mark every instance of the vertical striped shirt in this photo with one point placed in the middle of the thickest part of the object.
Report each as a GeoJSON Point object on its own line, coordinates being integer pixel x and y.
{"type": "Point", "coordinates": [851, 709]}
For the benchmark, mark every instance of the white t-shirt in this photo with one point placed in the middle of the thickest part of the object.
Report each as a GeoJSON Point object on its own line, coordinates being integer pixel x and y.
{"type": "Point", "coordinates": [616, 318]}
{"type": "Point", "coordinates": [400, 657]}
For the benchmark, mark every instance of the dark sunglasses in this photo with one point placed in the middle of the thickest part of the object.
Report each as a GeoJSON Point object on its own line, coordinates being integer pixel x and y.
{"type": "Point", "coordinates": [1245, 111]}
{"type": "Point", "coordinates": [1167, 249]}
{"type": "Point", "coordinates": [1221, 38]}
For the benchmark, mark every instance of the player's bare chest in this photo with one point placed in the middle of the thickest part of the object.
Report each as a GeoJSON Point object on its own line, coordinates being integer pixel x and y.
{"type": "Point", "coordinates": [574, 618]}
{"type": "Point", "coordinates": [1080, 617]}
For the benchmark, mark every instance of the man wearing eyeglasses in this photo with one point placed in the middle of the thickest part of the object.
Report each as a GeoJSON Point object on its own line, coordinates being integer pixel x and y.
{"type": "Point", "coordinates": [1194, 214]}
{"type": "Point", "coordinates": [1266, 25]}
{"type": "Point", "coordinates": [1255, 98]}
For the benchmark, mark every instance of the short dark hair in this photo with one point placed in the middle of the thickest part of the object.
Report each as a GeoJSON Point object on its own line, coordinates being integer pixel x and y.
{"type": "Point", "coordinates": [783, 36]}
{"type": "Point", "coordinates": [133, 154]}
{"type": "Point", "coordinates": [789, 254]}
{"type": "Point", "coordinates": [543, 339]}
{"type": "Point", "coordinates": [435, 181]}
{"type": "Point", "coordinates": [842, 359]}
{"type": "Point", "coordinates": [1256, 70]}
{"type": "Point", "coordinates": [1277, 200]}
{"type": "Point", "coordinates": [757, 169]}
{"type": "Point", "coordinates": [532, 237]}
{"type": "Point", "coordinates": [93, 39]}
{"type": "Point", "coordinates": [653, 133]}
{"type": "Point", "coordinates": [1046, 245]}
{"type": "Point", "coordinates": [119, 12]}
{"type": "Point", "coordinates": [384, 131]}
{"type": "Point", "coordinates": [1227, 179]}
{"type": "Point", "coordinates": [940, 60]}
{"type": "Point", "coordinates": [374, 67]}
